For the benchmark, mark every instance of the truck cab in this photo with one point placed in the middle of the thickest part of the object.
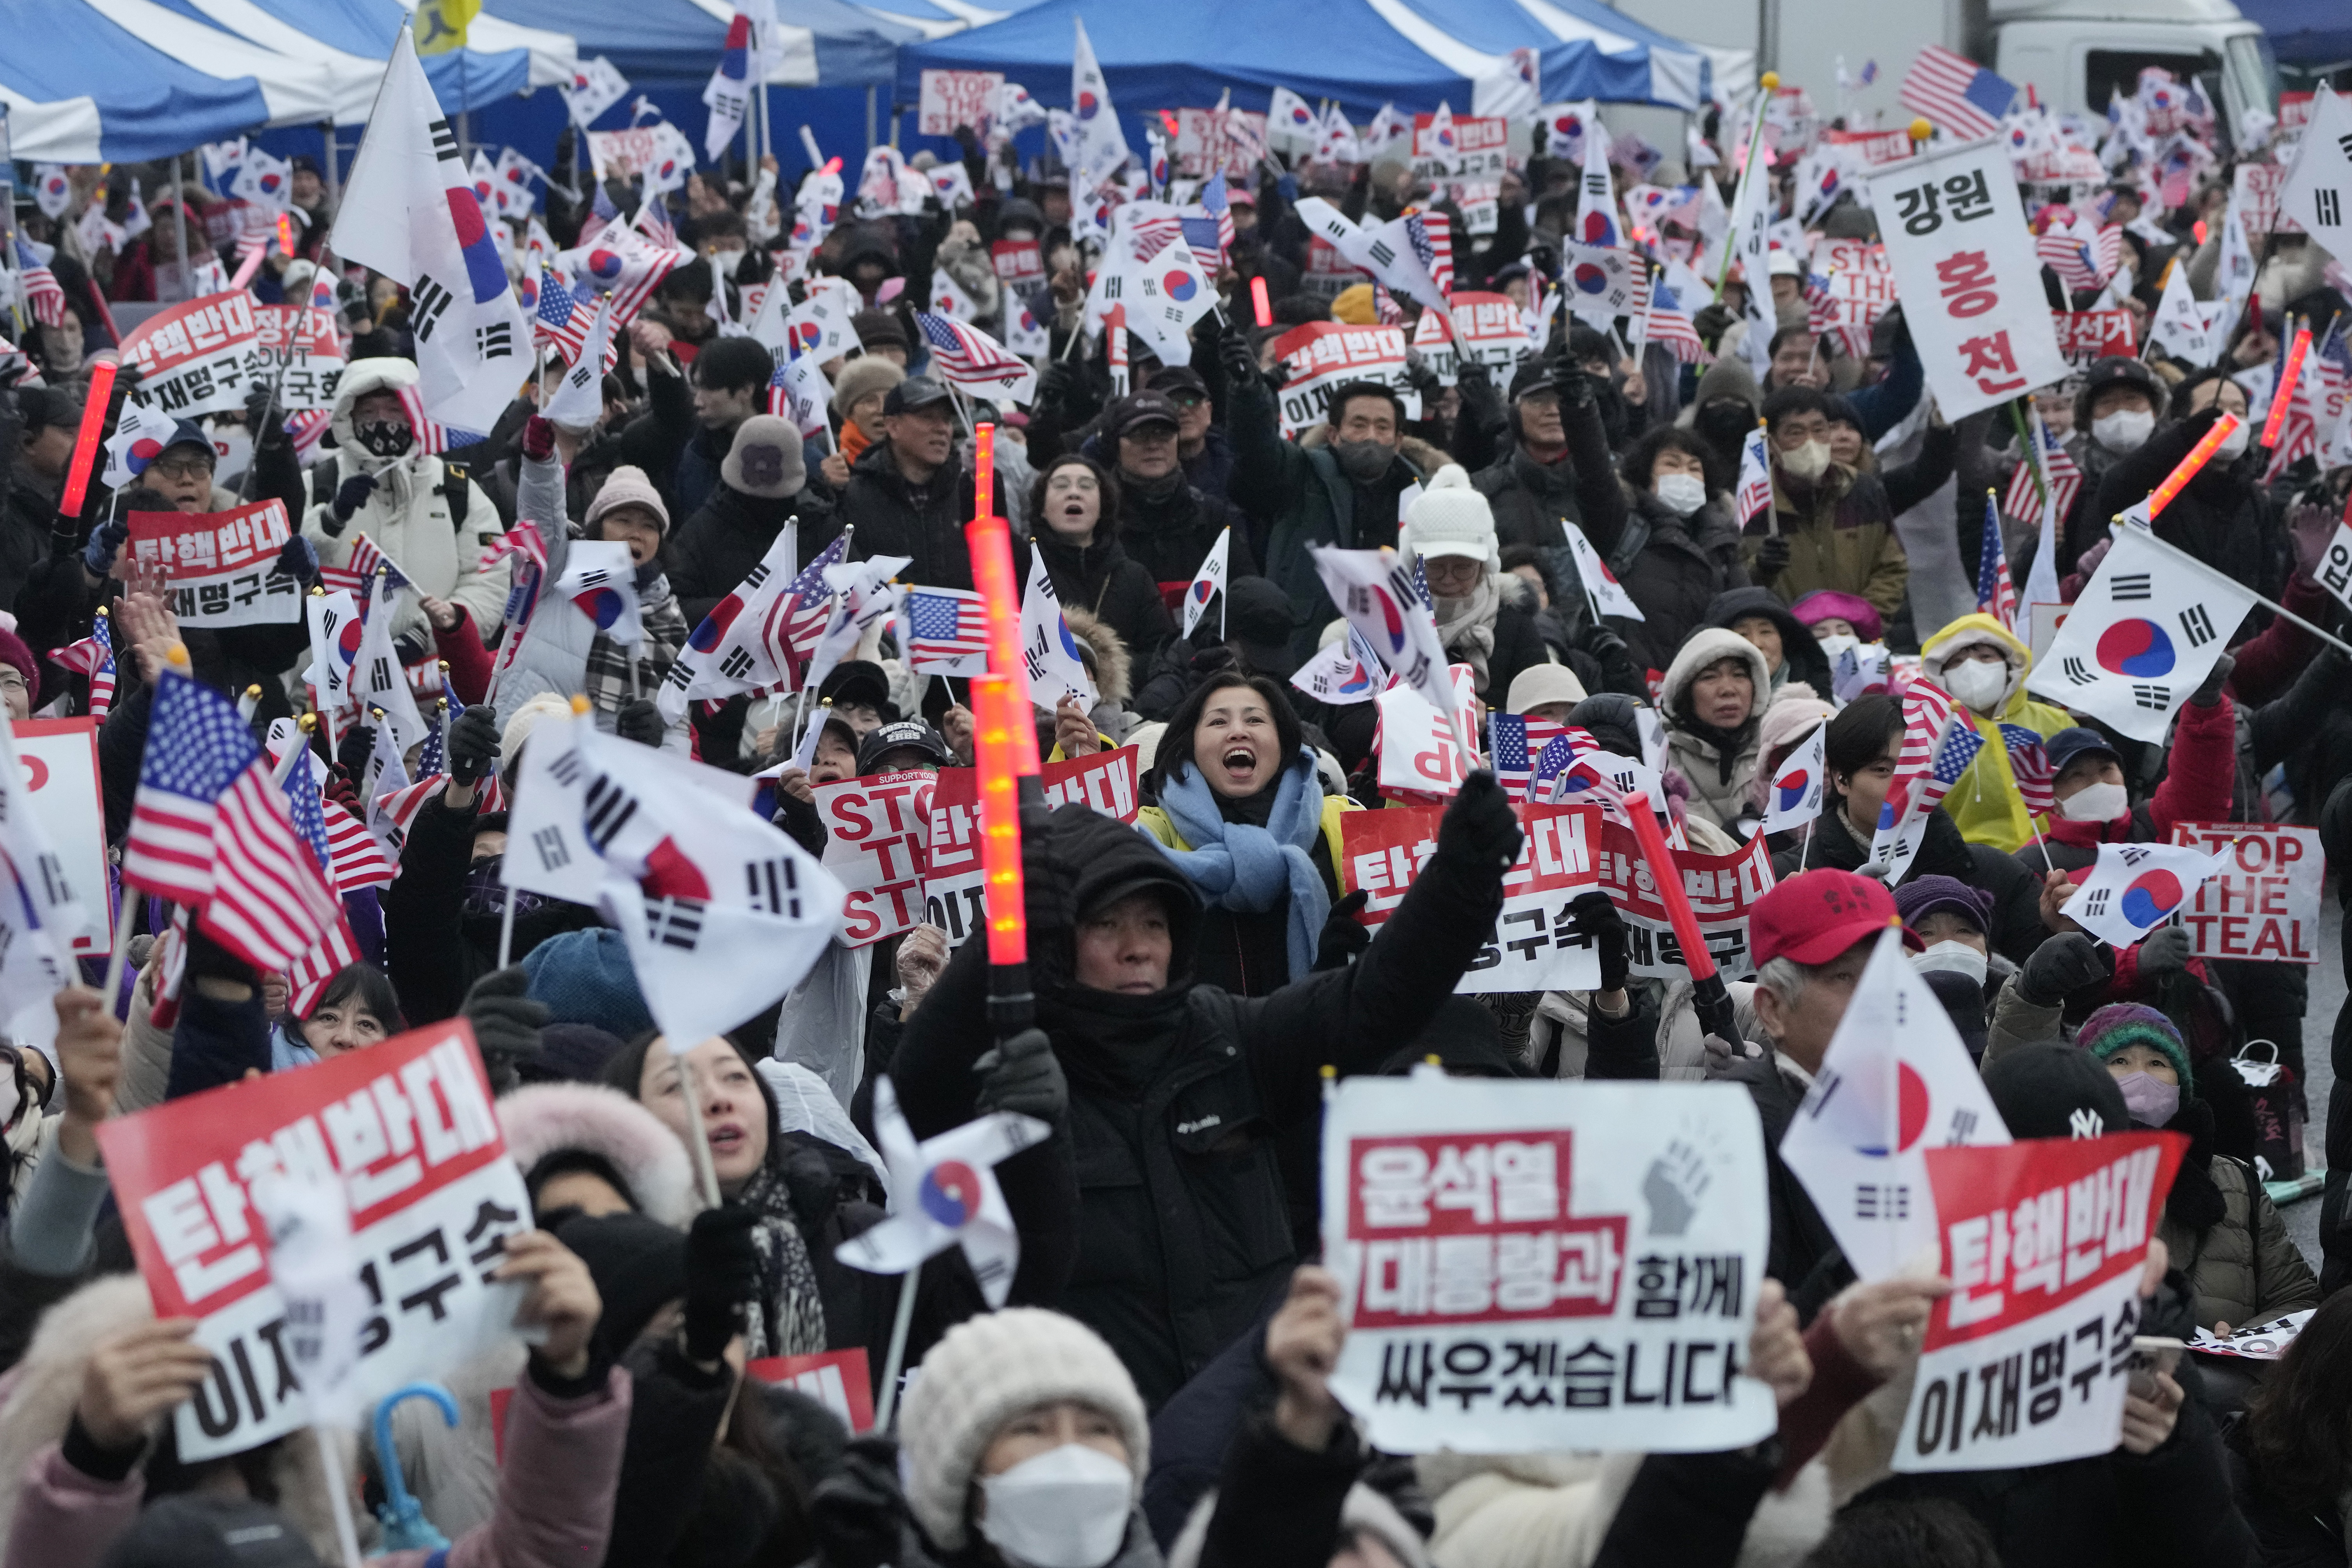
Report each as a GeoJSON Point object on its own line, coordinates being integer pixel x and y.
{"type": "Point", "coordinates": [2076, 53]}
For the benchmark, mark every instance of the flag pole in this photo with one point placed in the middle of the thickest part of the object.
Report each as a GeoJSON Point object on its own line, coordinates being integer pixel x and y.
{"type": "Point", "coordinates": [698, 1141]}
{"type": "Point", "coordinates": [894, 1363]}
{"type": "Point", "coordinates": [1712, 1001]}
{"type": "Point", "coordinates": [2234, 585]}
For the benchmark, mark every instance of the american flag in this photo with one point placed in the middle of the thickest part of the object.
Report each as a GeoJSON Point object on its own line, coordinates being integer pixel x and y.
{"type": "Point", "coordinates": [2318, 395]}
{"type": "Point", "coordinates": [653, 222]}
{"type": "Point", "coordinates": [619, 261]}
{"type": "Point", "coordinates": [312, 817]}
{"type": "Point", "coordinates": [1385, 309]}
{"type": "Point", "coordinates": [209, 829]}
{"type": "Point", "coordinates": [1148, 237]}
{"type": "Point", "coordinates": [1523, 750]}
{"type": "Point", "coordinates": [336, 839]}
{"type": "Point", "coordinates": [1961, 96]}
{"type": "Point", "coordinates": [1433, 244]}
{"type": "Point", "coordinates": [798, 617]}
{"type": "Point", "coordinates": [432, 756]}
{"type": "Point", "coordinates": [968, 357]}
{"type": "Point", "coordinates": [430, 434]}
{"type": "Point", "coordinates": [1670, 325]}
{"type": "Point", "coordinates": [307, 428]}
{"type": "Point", "coordinates": [398, 808]}
{"type": "Point", "coordinates": [43, 294]}
{"type": "Point", "coordinates": [333, 953]}
{"type": "Point", "coordinates": [522, 542]}
{"type": "Point", "coordinates": [945, 627]}
{"type": "Point", "coordinates": [562, 320]}
{"type": "Point", "coordinates": [2065, 479]}
{"type": "Point", "coordinates": [1208, 224]}
{"type": "Point", "coordinates": [1935, 752]}
{"type": "Point", "coordinates": [93, 657]}
{"type": "Point", "coordinates": [2028, 764]}
{"type": "Point", "coordinates": [364, 560]}
{"type": "Point", "coordinates": [1996, 594]}
{"type": "Point", "coordinates": [2080, 263]}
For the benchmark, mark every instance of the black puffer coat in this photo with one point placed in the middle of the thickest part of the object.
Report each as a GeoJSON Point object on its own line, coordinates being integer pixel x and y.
{"type": "Point", "coordinates": [1677, 571]}
{"type": "Point", "coordinates": [709, 556]}
{"type": "Point", "coordinates": [2222, 518]}
{"type": "Point", "coordinates": [1106, 582]}
{"type": "Point", "coordinates": [924, 523]}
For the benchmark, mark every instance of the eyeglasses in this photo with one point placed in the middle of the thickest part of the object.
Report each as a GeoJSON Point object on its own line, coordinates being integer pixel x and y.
{"type": "Point", "coordinates": [181, 468]}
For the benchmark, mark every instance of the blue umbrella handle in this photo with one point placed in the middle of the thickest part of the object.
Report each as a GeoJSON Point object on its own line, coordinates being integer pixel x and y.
{"type": "Point", "coordinates": [401, 1514]}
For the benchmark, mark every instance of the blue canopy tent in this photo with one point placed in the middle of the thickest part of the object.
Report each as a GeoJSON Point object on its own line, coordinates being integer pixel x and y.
{"type": "Point", "coordinates": [675, 43]}
{"type": "Point", "coordinates": [351, 39]}
{"type": "Point", "coordinates": [1362, 53]}
{"type": "Point", "coordinates": [2313, 34]}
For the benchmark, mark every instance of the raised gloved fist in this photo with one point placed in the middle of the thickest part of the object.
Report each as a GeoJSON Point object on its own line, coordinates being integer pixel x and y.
{"type": "Point", "coordinates": [1479, 828]}
{"type": "Point", "coordinates": [473, 744]}
{"type": "Point", "coordinates": [722, 1272]}
{"type": "Point", "coordinates": [1344, 937]}
{"type": "Point", "coordinates": [349, 496]}
{"type": "Point", "coordinates": [2060, 967]}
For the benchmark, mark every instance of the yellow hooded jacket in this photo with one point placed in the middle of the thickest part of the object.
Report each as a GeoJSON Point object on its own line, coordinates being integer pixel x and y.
{"type": "Point", "coordinates": [1985, 802]}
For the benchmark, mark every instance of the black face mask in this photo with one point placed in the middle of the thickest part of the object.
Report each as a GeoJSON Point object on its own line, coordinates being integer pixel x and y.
{"type": "Point", "coordinates": [486, 895]}
{"type": "Point", "coordinates": [383, 438]}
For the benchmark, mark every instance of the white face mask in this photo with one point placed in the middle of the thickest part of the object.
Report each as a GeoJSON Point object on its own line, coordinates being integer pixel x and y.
{"type": "Point", "coordinates": [2100, 802]}
{"type": "Point", "coordinates": [1809, 461]}
{"type": "Point", "coordinates": [2123, 431]}
{"type": "Point", "coordinates": [1066, 1507]}
{"type": "Point", "coordinates": [1835, 644]}
{"type": "Point", "coordinates": [1977, 684]}
{"type": "Point", "coordinates": [1956, 956]}
{"type": "Point", "coordinates": [1685, 493]}
{"type": "Point", "coordinates": [2234, 446]}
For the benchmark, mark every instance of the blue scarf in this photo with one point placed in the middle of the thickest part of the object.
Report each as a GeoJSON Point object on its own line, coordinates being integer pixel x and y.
{"type": "Point", "coordinates": [1239, 866]}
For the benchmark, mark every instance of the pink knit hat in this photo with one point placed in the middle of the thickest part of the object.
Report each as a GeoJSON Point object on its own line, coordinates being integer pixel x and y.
{"type": "Point", "coordinates": [1823, 603]}
{"type": "Point", "coordinates": [626, 486]}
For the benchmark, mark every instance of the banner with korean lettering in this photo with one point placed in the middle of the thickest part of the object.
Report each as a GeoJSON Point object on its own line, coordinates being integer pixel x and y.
{"type": "Point", "coordinates": [2264, 903]}
{"type": "Point", "coordinates": [1461, 151]}
{"type": "Point", "coordinates": [1969, 280]}
{"type": "Point", "coordinates": [222, 565]}
{"type": "Point", "coordinates": [1534, 945]}
{"type": "Point", "coordinates": [196, 358]}
{"type": "Point", "coordinates": [953, 898]}
{"type": "Point", "coordinates": [408, 1128]}
{"type": "Point", "coordinates": [301, 343]}
{"type": "Point", "coordinates": [1722, 888]}
{"type": "Point", "coordinates": [2084, 336]}
{"type": "Point", "coordinates": [1328, 274]}
{"type": "Point", "coordinates": [2026, 1362]}
{"type": "Point", "coordinates": [1322, 356]}
{"type": "Point", "coordinates": [1529, 1266]}
{"type": "Point", "coordinates": [1489, 329]}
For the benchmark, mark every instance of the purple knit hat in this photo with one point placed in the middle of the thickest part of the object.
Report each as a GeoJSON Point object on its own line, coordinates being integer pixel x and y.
{"type": "Point", "coordinates": [2120, 1023]}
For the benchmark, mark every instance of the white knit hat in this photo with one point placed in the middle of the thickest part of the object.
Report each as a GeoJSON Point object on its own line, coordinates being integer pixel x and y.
{"type": "Point", "coordinates": [986, 1371]}
{"type": "Point", "coordinates": [1450, 518]}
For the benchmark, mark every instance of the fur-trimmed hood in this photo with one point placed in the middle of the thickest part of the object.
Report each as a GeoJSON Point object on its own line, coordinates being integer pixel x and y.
{"type": "Point", "coordinates": [1113, 665]}
{"type": "Point", "coordinates": [42, 1389]}
{"type": "Point", "coordinates": [1415, 450]}
{"type": "Point", "coordinates": [540, 1119]}
{"type": "Point", "coordinates": [1704, 648]}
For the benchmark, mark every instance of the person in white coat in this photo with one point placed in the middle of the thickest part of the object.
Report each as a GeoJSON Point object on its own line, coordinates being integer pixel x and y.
{"type": "Point", "coordinates": [421, 511]}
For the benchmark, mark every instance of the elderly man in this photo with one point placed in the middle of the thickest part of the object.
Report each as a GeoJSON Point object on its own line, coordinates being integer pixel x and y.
{"type": "Point", "coordinates": [909, 493]}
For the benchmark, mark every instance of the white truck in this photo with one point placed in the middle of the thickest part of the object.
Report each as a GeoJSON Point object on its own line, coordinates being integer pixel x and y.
{"type": "Point", "coordinates": [2072, 52]}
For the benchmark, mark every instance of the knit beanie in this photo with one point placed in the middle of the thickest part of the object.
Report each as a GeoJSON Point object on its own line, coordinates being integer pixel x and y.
{"type": "Point", "coordinates": [2121, 1024]}
{"type": "Point", "coordinates": [986, 1371]}
{"type": "Point", "coordinates": [862, 378]}
{"type": "Point", "coordinates": [626, 486]}
{"type": "Point", "coordinates": [585, 977]}
{"type": "Point", "coordinates": [1920, 897]}
{"type": "Point", "coordinates": [17, 655]}
{"type": "Point", "coordinates": [765, 460]}
{"type": "Point", "coordinates": [1450, 518]}
{"type": "Point", "coordinates": [1355, 306]}
{"type": "Point", "coordinates": [521, 723]}
{"type": "Point", "coordinates": [1541, 683]}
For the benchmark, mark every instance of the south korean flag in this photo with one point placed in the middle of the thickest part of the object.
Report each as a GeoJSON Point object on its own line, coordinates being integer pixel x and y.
{"type": "Point", "coordinates": [2144, 636]}
{"type": "Point", "coordinates": [2136, 888]}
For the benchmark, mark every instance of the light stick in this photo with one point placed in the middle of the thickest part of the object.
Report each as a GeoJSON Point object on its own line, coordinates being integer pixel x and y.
{"type": "Point", "coordinates": [2178, 480]}
{"type": "Point", "coordinates": [989, 542]}
{"type": "Point", "coordinates": [1265, 307]}
{"type": "Point", "coordinates": [1712, 1000]}
{"type": "Point", "coordinates": [997, 710]}
{"type": "Point", "coordinates": [2285, 393]}
{"type": "Point", "coordinates": [93, 425]}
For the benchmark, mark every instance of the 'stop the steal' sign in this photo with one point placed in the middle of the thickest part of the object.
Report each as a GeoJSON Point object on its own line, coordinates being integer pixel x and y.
{"type": "Point", "coordinates": [2264, 903]}
{"type": "Point", "coordinates": [2026, 1362]}
{"type": "Point", "coordinates": [406, 1131]}
{"type": "Point", "coordinates": [955, 99]}
{"type": "Point", "coordinates": [1542, 1266]}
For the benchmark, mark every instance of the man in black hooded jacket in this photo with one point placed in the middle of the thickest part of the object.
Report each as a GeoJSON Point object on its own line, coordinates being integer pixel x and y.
{"type": "Point", "coordinates": [1178, 1091]}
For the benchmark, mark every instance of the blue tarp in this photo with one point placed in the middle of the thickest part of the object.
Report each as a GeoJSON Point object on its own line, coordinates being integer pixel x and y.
{"type": "Point", "coordinates": [343, 34]}
{"type": "Point", "coordinates": [2304, 32]}
{"type": "Point", "coordinates": [79, 88]}
{"type": "Point", "coordinates": [675, 43]}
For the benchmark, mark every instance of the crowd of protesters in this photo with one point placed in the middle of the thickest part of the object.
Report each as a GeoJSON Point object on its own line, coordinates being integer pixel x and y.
{"type": "Point", "coordinates": [1158, 1390]}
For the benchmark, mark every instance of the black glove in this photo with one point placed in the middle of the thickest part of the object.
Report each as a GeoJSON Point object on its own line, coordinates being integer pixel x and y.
{"type": "Point", "coordinates": [298, 559]}
{"type": "Point", "coordinates": [1054, 385]}
{"type": "Point", "coordinates": [1044, 880]}
{"type": "Point", "coordinates": [1476, 385]}
{"type": "Point", "coordinates": [352, 755]}
{"type": "Point", "coordinates": [1344, 936]}
{"type": "Point", "coordinates": [641, 722]}
{"type": "Point", "coordinates": [857, 1514]}
{"type": "Point", "coordinates": [2060, 967]}
{"type": "Point", "coordinates": [264, 416]}
{"type": "Point", "coordinates": [1600, 640]}
{"type": "Point", "coordinates": [1596, 917]}
{"type": "Point", "coordinates": [2209, 693]}
{"type": "Point", "coordinates": [1771, 557]}
{"type": "Point", "coordinates": [1022, 1074]}
{"type": "Point", "coordinates": [349, 496]}
{"type": "Point", "coordinates": [1575, 387]}
{"type": "Point", "coordinates": [1237, 356]}
{"type": "Point", "coordinates": [473, 744]}
{"type": "Point", "coordinates": [2164, 951]}
{"type": "Point", "coordinates": [722, 1272]}
{"type": "Point", "coordinates": [1712, 321]}
{"type": "Point", "coordinates": [506, 1022]}
{"type": "Point", "coordinates": [1479, 830]}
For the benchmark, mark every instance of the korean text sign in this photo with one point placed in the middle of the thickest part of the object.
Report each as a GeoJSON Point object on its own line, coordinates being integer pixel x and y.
{"type": "Point", "coordinates": [1534, 945]}
{"type": "Point", "coordinates": [1722, 888]}
{"type": "Point", "coordinates": [1322, 356]}
{"type": "Point", "coordinates": [2264, 904]}
{"type": "Point", "coordinates": [954, 896]}
{"type": "Point", "coordinates": [222, 565]}
{"type": "Point", "coordinates": [1970, 282]}
{"type": "Point", "coordinates": [198, 358]}
{"type": "Point", "coordinates": [408, 1128]}
{"type": "Point", "coordinates": [2026, 1362]}
{"type": "Point", "coordinates": [1541, 1266]}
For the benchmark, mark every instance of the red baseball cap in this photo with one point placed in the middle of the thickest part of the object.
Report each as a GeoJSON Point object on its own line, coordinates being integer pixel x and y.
{"type": "Point", "coordinates": [1813, 917]}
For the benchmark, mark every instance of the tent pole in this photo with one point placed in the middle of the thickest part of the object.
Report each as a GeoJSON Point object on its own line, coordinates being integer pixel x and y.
{"type": "Point", "coordinates": [180, 226]}
{"type": "Point", "coordinates": [334, 178]}
{"type": "Point", "coordinates": [869, 116]}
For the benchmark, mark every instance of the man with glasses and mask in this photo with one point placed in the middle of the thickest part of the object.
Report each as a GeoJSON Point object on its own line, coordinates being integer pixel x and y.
{"type": "Point", "coordinates": [1830, 527]}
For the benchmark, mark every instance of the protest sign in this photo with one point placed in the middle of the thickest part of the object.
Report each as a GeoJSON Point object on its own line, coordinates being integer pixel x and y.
{"type": "Point", "coordinates": [406, 1130]}
{"type": "Point", "coordinates": [299, 348]}
{"type": "Point", "coordinates": [1423, 752]}
{"type": "Point", "coordinates": [1434, 344]}
{"type": "Point", "coordinates": [59, 757]}
{"type": "Point", "coordinates": [954, 99]}
{"type": "Point", "coordinates": [1722, 888]}
{"type": "Point", "coordinates": [1322, 356]}
{"type": "Point", "coordinates": [952, 890]}
{"type": "Point", "coordinates": [1462, 150]}
{"type": "Point", "coordinates": [1970, 279]}
{"type": "Point", "coordinates": [1534, 945]}
{"type": "Point", "coordinates": [196, 358]}
{"type": "Point", "coordinates": [1328, 272]}
{"type": "Point", "coordinates": [2264, 904]}
{"type": "Point", "coordinates": [1211, 140]}
{"type": "Point", "coordinates": [222, 565]}
{"type": "Point", "coordinates": [838, 1380]}
{"type": "Point", "coordinates": [1018, 262]}
{"type": "Point", "coordinates": [652, 150]}
{"type": "Point", "coordinates": [2334, 569]}
{"type": "Point", "coordinates": [1489, 329]}
{"type": "Point", "coordinates": [2255, 187]}
{"type": "Point", "coordinates": [1873, 147]}
{"type": "Point", "coordinates": [2087, 335]}
{"type": "Point", "coordinates": [2026, 1362]}
{"type": "Point", "coordinates": [1531, 1267]}
{"type": "Point", "coordinates": [875, 831]}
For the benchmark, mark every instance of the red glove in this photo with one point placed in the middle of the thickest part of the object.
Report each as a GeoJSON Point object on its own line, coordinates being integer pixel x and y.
{"type": "Point", "coordinates": [341, 790]}
{"type": "Point", "coordinates": [538, 440]}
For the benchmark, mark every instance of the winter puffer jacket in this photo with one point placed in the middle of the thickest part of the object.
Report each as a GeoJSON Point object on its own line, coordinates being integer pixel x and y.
{"type": "Point", "coordinates": [923, 522]}
{"type": "Point", "coordinates": [1172, 533]}
{"type": "Point", "coordinates": [1102, 579]}
{"type": "Point", "coordinates": [2226, 1235]}
{"type": "Point", "coordinates": [423, 513]}
{"type": "Point", "coordinates": [1673, 573]}
{"type": "Point", "coordinates": [1841, 535]}
{"type": "Point", "coordinates": [1986, 801]}
{"type": "Point", "coordinates": [709, 556]}
{"type": "Point", "coordinates": [1178, 1099]}
{"type": "Point", "coordinates": [1718, 781]}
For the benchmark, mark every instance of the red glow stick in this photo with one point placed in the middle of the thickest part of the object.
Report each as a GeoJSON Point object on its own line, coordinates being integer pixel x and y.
{"type": "Point", "coordinates": [2177, 481]}
{"type": "Point", "coordinates": [2285, 393]}
{"type": "Point", "coordinates": [989, 542]}
{"type": "Point", "coordinates": [93, 423]}
{"type": "Point", "coordinates": [285, 234]}
{"type": "Point", "coordinates": [1669, 878]}
{"type": "Point", "coordinates": [1001, 717]}
{"type": "Point", "coordinates": [1259, 298]}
